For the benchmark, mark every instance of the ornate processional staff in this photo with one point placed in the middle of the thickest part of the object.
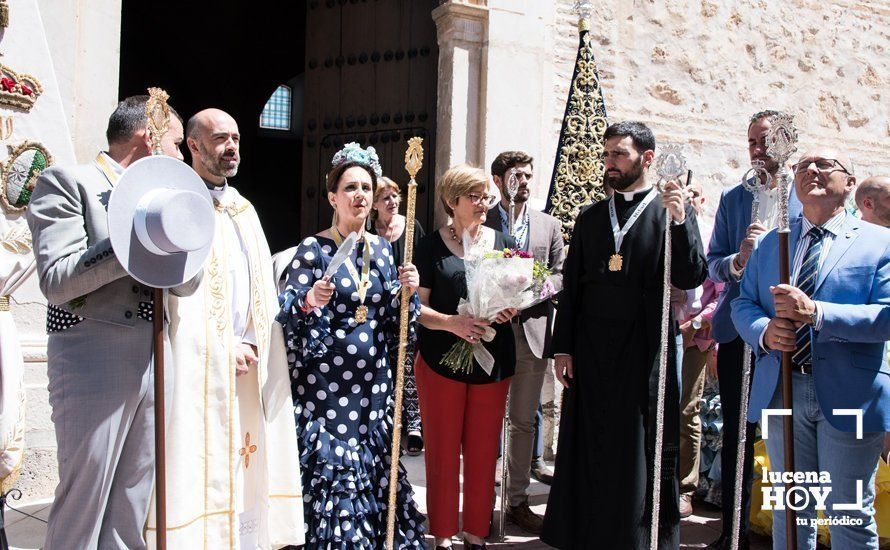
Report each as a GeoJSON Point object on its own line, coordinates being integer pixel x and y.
{"type": "Point", "coordinates": [578, 170]}
{"type": "Point", "coordinates": [511, 188]}
{"type": "Point", "coordinates": [755, 180]}
{"type": "Point", "coordinates": [158, 114]}
{"type": "Point", "coordinates": [669, 166]}
{"type": "Point", "coordinates": [413, 163]}
{"type": "Point", "coordinates": [781, 142]}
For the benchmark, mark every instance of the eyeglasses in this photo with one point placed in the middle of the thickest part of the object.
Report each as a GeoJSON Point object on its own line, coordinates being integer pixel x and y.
{"type": "Point", "coordinates": [823, 165]}
{"type": "Point", "coordinates": [476, 198]}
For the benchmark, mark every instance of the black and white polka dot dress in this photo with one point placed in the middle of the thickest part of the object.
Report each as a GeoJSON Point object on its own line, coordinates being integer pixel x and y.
{"type": "Point", "coordinates": [343, 394]}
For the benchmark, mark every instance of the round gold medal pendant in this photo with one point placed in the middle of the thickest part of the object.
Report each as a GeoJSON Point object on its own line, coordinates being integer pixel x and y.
{"type": "Point", "coordinates": [616, 261]}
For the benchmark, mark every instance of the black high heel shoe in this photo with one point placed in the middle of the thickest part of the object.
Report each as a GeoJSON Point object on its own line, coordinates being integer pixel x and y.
{"type": "Point", "coordinates": [470, 546]}
{"type": "Point", "coordinates": [415, 445]}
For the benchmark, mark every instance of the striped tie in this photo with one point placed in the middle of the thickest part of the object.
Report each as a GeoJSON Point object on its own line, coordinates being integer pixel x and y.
{"type": "Point", "coordinates": [806, 281]}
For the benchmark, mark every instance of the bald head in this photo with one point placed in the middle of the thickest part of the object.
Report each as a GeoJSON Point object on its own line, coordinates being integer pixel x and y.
{"type": "Point", "coordinates": [823, 179]}
{"type": "Point", "coordinates": [214, 140]}
{"type": "Point", "coordinates": [873, 200]}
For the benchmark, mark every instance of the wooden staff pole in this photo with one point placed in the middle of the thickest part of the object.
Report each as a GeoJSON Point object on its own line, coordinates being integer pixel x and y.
{"type": "Point", "coordinates": [157, 312]}
{"type": "Point", "coordinates": [158, 122]}
{"type": "Point", "coordinates": [413, 162]}
{"type": "Point", "coordinates": [781, 141]}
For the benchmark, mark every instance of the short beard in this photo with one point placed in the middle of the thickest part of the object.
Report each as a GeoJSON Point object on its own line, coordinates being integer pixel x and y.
{"type": "Point", "coordinates": [212, 165]}
{"type": "Point", "coordinates": [624, 181]}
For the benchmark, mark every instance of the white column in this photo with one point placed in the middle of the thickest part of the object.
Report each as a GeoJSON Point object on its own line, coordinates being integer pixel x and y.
{"type": "Point", "coordinates": [462, 29]}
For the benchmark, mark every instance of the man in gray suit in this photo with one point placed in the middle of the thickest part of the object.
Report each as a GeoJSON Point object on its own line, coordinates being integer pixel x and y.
{"type": "Point", "coordinates": [540, 235]}
{"type": "Point", "coordinates": [99, 351]}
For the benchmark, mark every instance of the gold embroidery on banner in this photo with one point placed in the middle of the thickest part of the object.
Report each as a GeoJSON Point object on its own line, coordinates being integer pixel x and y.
{"type": "Point", "coordinates": [18, 90]}
{"type": "Point", "coordinates": [247, 450]}
{"type": "Point", "coordinates": [17, 240]}
{"type": "Point", "coordinates": [19, 173]}
{"type": "Point", "coordinates": [578, 175]}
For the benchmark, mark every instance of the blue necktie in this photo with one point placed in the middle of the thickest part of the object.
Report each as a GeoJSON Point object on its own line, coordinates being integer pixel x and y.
{"type": "Point", "coordinates": [806, 281]}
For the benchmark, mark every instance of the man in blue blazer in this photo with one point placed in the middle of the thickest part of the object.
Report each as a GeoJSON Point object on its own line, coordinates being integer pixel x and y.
{"type": "Point", "coordinates": [835, 319]}
{"type": "Point", "coordinates": [728, 252]}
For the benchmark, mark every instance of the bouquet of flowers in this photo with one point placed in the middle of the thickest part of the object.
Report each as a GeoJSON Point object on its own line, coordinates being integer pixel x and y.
{"type": "Point", "coordinates": [496, 280]}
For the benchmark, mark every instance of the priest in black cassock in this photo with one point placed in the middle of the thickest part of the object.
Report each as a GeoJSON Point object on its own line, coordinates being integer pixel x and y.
{"type": "Point", "coordinates": [606, 344]}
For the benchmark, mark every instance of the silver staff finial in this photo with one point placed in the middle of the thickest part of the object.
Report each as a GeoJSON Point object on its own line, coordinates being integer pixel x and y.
{"type": "Point", "coordinates": [584, 8]}
{"type": "Point", "coordinates": [781, 143]}
{"type": "Point", "coordinates": [781, 139]}
{"type": "Point", "coordinates": [670, 165]}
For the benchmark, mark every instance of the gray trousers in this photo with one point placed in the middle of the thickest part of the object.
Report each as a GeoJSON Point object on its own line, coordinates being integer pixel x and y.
{"type": "Point", "coordinates": [102, 397]}
{"type": "Point", "coordinates": [693, 385]}
{"type": "Point", "coordinates": [524, 400]}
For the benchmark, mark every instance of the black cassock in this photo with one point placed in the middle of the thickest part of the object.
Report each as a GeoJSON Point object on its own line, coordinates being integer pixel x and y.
{"type": "Point", "coordinates": [610, 323]}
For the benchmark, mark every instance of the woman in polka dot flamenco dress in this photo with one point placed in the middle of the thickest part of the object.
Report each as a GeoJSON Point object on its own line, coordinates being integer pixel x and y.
{"type": "Point", "coordinates": [338, 339]}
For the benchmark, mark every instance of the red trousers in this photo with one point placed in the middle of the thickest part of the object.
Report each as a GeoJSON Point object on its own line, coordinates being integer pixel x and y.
{"type": "Point", "coordinates": [459, 417]}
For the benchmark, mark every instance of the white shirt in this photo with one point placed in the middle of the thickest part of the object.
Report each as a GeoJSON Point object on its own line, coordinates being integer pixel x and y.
{"type": "Point", "coordinates": [767, 215]}
{"type": "Point", "coordinates": [832, 230]}
{"type": "Point", "coordinates": [238, 272]}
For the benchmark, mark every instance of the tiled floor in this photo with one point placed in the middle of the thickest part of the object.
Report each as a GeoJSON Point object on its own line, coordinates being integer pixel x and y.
{"type": "Point", "coordinates": [696, 531]}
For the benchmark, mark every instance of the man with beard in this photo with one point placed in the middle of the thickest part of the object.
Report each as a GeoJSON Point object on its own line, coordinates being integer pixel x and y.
{"type": "Point", "coordinates": [730, 246]}
{"type": "Point", "coordinates": [607, 346]}
{"type": "Point", "coordinates": [540, 235]}
{"type": "Point", "coordinates": [873, 200]}
{"type": "Point", "coordinates": [231, 440]}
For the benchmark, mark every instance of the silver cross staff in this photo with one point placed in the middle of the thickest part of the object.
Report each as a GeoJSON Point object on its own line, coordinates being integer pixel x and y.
{"type": "Point", "coordinates": [781, 140]}
{"type": "Point", "coordinates": [670, 165]}
{"type": "Point", "coordinates": [755, 180]}
{"type": "Point", "coordinates": [511, 189]}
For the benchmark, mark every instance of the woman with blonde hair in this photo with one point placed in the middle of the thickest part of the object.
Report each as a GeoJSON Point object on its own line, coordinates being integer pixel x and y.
{"type": "Point", "coordinates": [387, 223]}
{"type": "Point", "coordinates": [462, 412]}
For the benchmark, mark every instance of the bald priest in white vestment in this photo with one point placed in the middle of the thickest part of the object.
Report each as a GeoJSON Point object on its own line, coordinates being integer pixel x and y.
{"type": "Point", "coordinates": [233, 476]}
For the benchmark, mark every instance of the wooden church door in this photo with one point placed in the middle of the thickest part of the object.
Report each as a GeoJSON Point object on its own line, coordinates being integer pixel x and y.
{"type": "Point", "coordinates": [371, 77]}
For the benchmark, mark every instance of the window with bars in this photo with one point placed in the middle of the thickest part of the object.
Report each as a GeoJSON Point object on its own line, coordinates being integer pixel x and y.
{"type": "Point", "coordinates": [276, 113]}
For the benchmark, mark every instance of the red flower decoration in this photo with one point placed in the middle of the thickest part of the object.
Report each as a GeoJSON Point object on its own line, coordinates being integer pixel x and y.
{"type": "Point", "coordinates": [7, 83]}
{"type": "Point", "coordinates": [26, 90]}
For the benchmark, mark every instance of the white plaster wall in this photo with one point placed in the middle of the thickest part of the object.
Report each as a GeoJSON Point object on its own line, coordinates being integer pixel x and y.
{"type": "Point", "coordinates": [84, 39]}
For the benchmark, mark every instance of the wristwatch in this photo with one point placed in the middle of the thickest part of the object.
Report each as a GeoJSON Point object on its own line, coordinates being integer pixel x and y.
{"type": "Point", "coordinates": [696, 323]}
{"type": "Point", "coordinates": [813, 317]}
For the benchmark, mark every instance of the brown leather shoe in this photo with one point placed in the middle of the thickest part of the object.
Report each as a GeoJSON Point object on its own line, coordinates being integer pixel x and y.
{"type": "Point", "coordinates": [685, 505]}
{"type": "Point", "coordinates": [527, 520]}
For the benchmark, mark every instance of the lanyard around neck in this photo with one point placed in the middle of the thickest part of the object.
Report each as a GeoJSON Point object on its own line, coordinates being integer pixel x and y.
{"type": "Point", "coordinates": [361, 283]}
{"type": "Point", "coordinates": [618, 232]}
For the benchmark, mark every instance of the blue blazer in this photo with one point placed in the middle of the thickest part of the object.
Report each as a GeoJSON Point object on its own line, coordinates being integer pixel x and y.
{"type": "Point", "coordinates": [853, 289]}
{"type": "Point", "coordinates": [730, 226]}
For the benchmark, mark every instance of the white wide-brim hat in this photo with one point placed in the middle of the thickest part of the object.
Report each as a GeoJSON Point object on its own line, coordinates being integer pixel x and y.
{"type": "Point", "coordinates": [161, 221]}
